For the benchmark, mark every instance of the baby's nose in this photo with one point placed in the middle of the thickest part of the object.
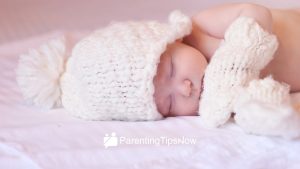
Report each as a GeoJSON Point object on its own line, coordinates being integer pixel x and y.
{"type": "Point", "coordinates": [186, 88]}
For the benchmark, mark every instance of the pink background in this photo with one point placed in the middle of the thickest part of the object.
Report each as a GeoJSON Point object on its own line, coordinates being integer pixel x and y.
{"type": "Point", "coordinates": [23, 18]}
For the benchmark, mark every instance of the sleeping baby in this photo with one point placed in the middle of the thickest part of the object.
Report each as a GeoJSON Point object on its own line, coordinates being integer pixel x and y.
{"type": "Point", "coordinates": [148, 70]}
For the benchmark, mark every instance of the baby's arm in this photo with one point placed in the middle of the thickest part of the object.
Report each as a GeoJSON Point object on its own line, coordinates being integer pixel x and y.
{"type": "Point", "coordinates": [246, 49]}
{"type": "Point", "coordinates": [210, 25]}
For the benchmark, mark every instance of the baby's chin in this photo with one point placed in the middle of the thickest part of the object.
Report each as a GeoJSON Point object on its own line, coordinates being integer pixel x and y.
{"type": "Point", "coordinates": [190, 113]}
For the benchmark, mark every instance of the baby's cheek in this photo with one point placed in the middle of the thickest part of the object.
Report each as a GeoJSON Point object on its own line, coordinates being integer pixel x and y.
{"type": "Point", "coordinates": [161, 105]}
{"type": "Point", "coordinates": [186, 107]}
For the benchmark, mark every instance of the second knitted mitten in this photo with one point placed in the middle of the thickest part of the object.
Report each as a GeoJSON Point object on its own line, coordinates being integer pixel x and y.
{"type": "Point", "coordinates": [264, 108]}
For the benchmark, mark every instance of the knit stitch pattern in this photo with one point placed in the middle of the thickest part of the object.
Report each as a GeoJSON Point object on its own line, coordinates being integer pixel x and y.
{"type": "Point", "coordinates": [110, 73]}
{"type": "Point", "coordinates": [245, 50]}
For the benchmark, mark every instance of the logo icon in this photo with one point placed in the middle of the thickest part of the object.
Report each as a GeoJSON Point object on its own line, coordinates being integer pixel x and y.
{"type": "Point", "coordinates": [110, 141]}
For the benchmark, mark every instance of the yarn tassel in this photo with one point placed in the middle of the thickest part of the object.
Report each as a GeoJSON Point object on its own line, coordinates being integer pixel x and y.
{"type": "Point", "coordinates": [39, 71]}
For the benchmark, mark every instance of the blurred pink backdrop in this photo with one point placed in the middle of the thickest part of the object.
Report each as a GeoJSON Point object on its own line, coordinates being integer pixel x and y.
{"type": "Point", "coordinates": [20, 19]}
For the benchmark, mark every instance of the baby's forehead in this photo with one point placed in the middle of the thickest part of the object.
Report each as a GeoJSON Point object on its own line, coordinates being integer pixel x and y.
{"type": "Point", "coordinates": [171, 48]}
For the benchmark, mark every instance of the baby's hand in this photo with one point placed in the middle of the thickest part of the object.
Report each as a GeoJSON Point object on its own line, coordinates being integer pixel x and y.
{"type": "Point", "coordinates": [246, 49]}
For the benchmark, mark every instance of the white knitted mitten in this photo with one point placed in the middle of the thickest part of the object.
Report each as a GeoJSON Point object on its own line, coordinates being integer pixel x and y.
{"type": "Point", "coordinates": [264, 108]}
{"type": "Point", "coordinates": [246, 49]}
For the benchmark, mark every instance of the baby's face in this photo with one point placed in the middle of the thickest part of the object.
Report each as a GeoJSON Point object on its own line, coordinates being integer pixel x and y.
{"type": "Point", "coordinates": [178, 81]}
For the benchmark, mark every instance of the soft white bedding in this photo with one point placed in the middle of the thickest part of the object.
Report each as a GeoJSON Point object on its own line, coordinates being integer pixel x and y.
{"type": "Point", "coordinates": [38, 139]}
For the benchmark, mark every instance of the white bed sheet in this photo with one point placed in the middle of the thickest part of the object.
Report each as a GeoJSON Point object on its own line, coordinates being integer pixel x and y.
{"type": "Point", "coordinates": [36, 139]}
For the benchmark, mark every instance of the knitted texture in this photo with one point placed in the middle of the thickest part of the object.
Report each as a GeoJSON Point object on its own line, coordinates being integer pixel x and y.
{"type": "Point", "coordinates": [264, 108]}
{"type": "Point", "coordinates": [110, 73]}
{"type": "Point", "coordinates": [107, 76]}
{"type": "Point", "coordinates": [266, 90]}
{"type": "Point", "coordinates": [246, 49]}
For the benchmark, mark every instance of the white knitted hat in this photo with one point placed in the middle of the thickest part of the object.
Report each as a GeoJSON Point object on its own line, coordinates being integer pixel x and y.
{"type": "Point", "coordinates": [109, 75]}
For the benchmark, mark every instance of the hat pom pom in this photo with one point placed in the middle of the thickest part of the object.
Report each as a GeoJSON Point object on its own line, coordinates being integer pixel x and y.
{"type": "Point", "coordinates": [39, 72]}
{"type": "Point", "coordinates": [181, 22]}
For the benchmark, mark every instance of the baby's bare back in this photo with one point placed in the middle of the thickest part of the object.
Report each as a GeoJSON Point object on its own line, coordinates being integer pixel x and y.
{"type": "Point", "coordinates": [285, 66]}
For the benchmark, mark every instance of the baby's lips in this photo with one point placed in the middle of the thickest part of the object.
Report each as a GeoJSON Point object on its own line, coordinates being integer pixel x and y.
{"type": "Point", "coordinates": [197, 90]}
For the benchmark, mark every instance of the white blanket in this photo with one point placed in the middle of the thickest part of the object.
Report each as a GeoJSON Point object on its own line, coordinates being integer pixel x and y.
{"type": "Point", "coordinates": [38, 139]}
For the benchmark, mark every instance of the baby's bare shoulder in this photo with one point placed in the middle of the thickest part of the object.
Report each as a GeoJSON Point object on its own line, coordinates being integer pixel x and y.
{"type": "Point", "coordinates": [286, 23]}
{"type": "Point", "coordinates": [286, 18]}
{"type": "Point", "coordinates": [285, 65]}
